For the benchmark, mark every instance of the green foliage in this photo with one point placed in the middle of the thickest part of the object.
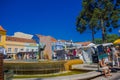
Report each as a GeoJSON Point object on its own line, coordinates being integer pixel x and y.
{"type": "Point", "coordinates": [98, 41]}
{"type": "Point", "coordinates": [99, 14]}
{"type": "Point", "coordinates": [110, 39]}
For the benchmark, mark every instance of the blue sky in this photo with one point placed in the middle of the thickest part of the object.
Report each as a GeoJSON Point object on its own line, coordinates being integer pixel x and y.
{"type": "Point", "coordinates": [46, 17]}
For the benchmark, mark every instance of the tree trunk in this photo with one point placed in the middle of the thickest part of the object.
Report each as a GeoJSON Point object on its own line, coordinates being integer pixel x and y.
{"type": "Point", "coordinates": [103, 31]}
{"type": "Point", "coordinates": [93, 35]}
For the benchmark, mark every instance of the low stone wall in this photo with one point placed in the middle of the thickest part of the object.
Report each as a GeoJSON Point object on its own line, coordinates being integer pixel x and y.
{"type": "Point", "coordinates": [69, 63]}
{"type": "Point", "coordinates": [43, 67]}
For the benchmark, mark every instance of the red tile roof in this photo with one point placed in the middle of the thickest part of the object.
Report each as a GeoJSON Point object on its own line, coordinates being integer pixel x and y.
{"type": "Point", "coordinates": [63, 40]}
{"type": "Point", "coordinates": [1, 28]}
{"type": "Point", "coordinates": [9, 38]}
{"type": "Point", "coordinates": [53, 39]}
{"type": "Point", "coordinates": [84, 43]}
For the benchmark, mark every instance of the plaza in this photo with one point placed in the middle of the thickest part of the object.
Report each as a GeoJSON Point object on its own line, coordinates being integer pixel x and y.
{"type": "Point", "coordinates": [27, 54]}
{"type": "Point", "coordinates": [60, 40]}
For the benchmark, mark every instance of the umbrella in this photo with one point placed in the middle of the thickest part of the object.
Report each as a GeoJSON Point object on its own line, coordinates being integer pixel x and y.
{"type": "Point", "coordinates": [116, 41]}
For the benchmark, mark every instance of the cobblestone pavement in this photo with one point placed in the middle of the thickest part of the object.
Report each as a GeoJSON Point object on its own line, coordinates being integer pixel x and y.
{"type": "Point", "coordinates": [115, 76]}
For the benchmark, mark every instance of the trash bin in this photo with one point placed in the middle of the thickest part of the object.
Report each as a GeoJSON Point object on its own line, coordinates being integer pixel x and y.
{"type": "Point", "coordinates": [8, 74]}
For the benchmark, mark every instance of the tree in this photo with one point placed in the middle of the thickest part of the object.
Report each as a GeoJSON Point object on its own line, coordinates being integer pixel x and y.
{"type": "Point", "coordinates": [110, 39]}
{"type": "Point", "coordinates": [98, 41]}
{"type": "Point", "coordinates": [98, 15]}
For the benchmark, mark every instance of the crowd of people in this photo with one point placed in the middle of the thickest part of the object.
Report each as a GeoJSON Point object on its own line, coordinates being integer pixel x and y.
{"type": "Point", "coordinates": [112, 59]}
{"type": "Point", "coordinates": [21, 56]}
{"type": "Point", "coordinates": [113, 53]}
{"type": "Point", "coordinates": [110, 56]}
{"type": "Point", "coordinates": [68, 54]}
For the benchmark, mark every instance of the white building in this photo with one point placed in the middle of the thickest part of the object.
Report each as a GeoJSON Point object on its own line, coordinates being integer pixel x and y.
{"type": "Point", "coordinates": [22, 35]}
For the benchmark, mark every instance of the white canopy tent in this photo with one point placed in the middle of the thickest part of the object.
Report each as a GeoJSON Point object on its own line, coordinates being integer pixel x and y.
{"type": "Point", "coordinates": [107, 44]}
{"type": "Point", "coordinates": [91, 45]}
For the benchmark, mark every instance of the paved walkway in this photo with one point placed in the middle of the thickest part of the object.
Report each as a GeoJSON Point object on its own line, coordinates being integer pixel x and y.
{"type": "Point", "coordinates": [93, 67]}
{"type": "Point", "coordinates": [115, 76]}
{"type": "Point", "coordinates": [85, 76]}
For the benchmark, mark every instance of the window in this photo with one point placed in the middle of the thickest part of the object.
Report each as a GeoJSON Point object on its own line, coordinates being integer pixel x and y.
{"type": "Point", "coordinates": [27, 50]}
{"type": "Point", "coordinates": [16, 50]}
{"type": "Point", "coordinates": [36, 49]}
{"type": "Point", "coordinates": [32, 50]}
{"type": "Point", "coordinates": [21, 50]}
{"type": "Point", "coordinates": [9, 50]}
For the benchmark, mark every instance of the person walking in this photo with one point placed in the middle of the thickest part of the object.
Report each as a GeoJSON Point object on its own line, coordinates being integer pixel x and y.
{"type": "Point", "coordinates": [115, 56]}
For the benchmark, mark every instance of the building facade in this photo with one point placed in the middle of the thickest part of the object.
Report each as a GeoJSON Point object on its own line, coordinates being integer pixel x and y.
{"type": "Point", "coordinates": [22, 42]}
{"type": "Point", "coordinates": [2, 37]}
{"type": "Point", "coordinates": [47, 41]}
{"type": "Point", "coordinates": [22, 35]}
{"type": "Point", "coordinates": [15, 45]}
